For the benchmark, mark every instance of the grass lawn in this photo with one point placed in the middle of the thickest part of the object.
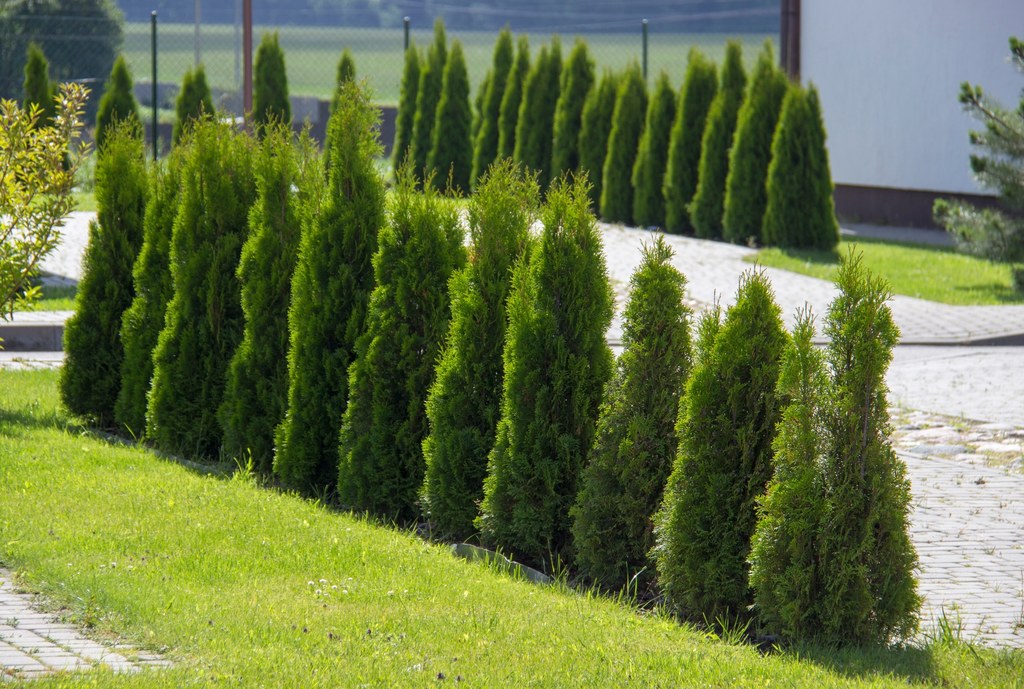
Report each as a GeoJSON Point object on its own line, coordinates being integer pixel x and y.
{"type": "Point", "coordinates": [244, 586]}
{"type": "Point", "coordinates": [934, 273]}
{"type": "Point", "coordinates": [85, 201]}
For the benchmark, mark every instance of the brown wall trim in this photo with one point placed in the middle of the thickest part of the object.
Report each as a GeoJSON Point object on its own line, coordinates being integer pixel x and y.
{"type": "Point", "coordinates": [789, 38]}
{"type": "Point", "coordinates": [901, 207]}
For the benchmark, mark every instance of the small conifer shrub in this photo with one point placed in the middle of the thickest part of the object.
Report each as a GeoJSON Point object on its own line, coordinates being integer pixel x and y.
{"type": "Point", "coordinates": [194, 101]}
{"type": "Point", "coordinates": [627, 128]}
{"type": "Point", "coordinates": [330, 289]}
{"type": "Point", "coordinates": [485, 143]}
{"type": "Point", "coordinates": [463, 402]}
{"type": "Point", "coordinates": [381, 465]}
{"type": "Point", "coordinates": [38, 91]}
{"type": "Point", "coordinates": [700, 84]}
{"type": "Point", "coordinates": [652, 157]}
{"type": "Point", "coordinates": [577, 81]}
{"type": "Point", "coordinates": [406, 106]}
{"type": "Point", "coordinates": [708, 203]}
{"type": "Point", "coordinates": [346, 73]}
{"type": "Point", "coordinates": [537, 113]}
{"type": "Point", "coordinates": [508, 113]}
{"type": "Point", "coordinates": [91, 376]}
{"type": "Point", "coordinates": [451, 153]}
{"type": "Point", "coordinates": [556, 366]}
{"type": "Point", "coordinates": [595, 128]}
{"type": "Point", "coordinates": [270, 84]}
{"type": "Point", "coordinates": [726, 427]}
{"type": "Point", "coordinates": [428, 95]}
{"type": "Point", "coordinates": [635, 442]}
{"type": "Point", "coordinates": [118, 101]}
{"type": "Point", "coordinates": [800, 212]}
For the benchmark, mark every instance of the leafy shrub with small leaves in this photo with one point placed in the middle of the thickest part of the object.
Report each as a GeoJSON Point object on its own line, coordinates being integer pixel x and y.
{"type": "Point", "coordinates": [652, 156]}
{"type": "Point", "coordinates": [194, 101]}
{"type": "Point", "coordinates": [346, 73]}
{"type": "Point", "coordinates": [508, 114]}
{"type": "Point", "coordinates": [406, 106]}
{"type": "Point", "coordinates": [595, 128]}
{"type": "Point", "coordinates": [627, 128]}
{"type": "Point", "coordinates": [485, 143]}
{"type": "Point", "coordinates": [577, 81]}
{"type": "Point", "coordinates": [38, 91]}
{"type": "Point", "coordinates": [451, 153]}
{"type": "Point", "coordinates": [118, 101]}
{"type": "Point", "coordinates": [270, 84]}
{"type": "Point", "coordinates": [537, 113]}
{"type": "Point", "coordinates": [428, 95]}
{"type": "Point", "coordinates": [635, 442]}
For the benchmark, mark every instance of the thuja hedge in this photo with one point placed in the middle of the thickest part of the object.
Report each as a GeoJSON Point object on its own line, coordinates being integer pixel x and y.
{"type": "Point", "coordinates": [595, 128]}
{"type": "Point", "coordinates": [37, 89]}
{"type": "Point", "coordinates": [270, 84]}
{"type": "Point", "coordinates": [428, 95]}
{"type": "Point", "coordinates": [577, 80]}
{"type": "Point", "coordinates": [346, 73]}
{"type": "Point", "coordinates": [451, 151]}
{"type": "Point", "coordinates": [537, 113]}
{"type": "Point", "coordinates": [508, 115]}
{"type": "Point", "coordinates": [485, 144]}
{"type": "Point", "coordinates": [118, 101]}
{"type": "Point", "coordinates": [627, 127]}
{"type": "Point", "coordinates": [406, 106]}
{"type": "Point", "coordinates": [194, 100]}
{"type": "Point", "coordinates": [652, 156]}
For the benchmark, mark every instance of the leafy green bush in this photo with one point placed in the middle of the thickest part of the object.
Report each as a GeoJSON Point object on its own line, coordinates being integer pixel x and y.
{"type": "Point", "coordinates": [346, 73]}
{"type": "Point", "coordinates": [330, 290]}
{"type": "Point", "coordinates": [118, 101]}
{"type": "Point", "coordinates": [745, 195]}
{"type": "Point", "coordinates": [270, 84]}
{"type": "Point", "coordinates": [556, 365]}
{"type": "Point", "coordinates": [38, 90]}
{"type": "Point", "coordinates": [635, 443]}
{"type": "Point", "coordinates": [508, 115]}
{"type": "Point", "coordinates": [652, 156]}
{"type": "Point", "coordinates": [577, 80]}
{"type": "Point", "coordinates": [406, 106]}
{"type": "Point", "coordinates": [428, 95]}
{"type": "Point", "coordinates": [595, 128]}
{"type": "Point", "coordinates": [726, 426]}
{"type": "Point", "coordinates": [381, 451]}
{"type": "Point", "coordinates": [91, 376]}
{"type": "Point", "coordinates": [537, 113]}
{"type": "Point", "coordinates": [194, 101]}
{"type": "Point", "coordinates": [800, 210]}
{"type": "Point", "coordinates": [627, 128]}
{"type": "Point", "coordinates": [485, 143]}
{"type": "Point", "coordinates": [451, 153]}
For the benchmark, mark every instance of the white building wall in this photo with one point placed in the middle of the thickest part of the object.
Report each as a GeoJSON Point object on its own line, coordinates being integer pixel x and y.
{"type": "Point", "coordinates": [889, 73]}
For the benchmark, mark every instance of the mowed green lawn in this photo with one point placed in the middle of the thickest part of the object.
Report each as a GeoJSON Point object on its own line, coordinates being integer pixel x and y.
{"type": "Point", "coordinates": [311, 53]}
{"type": "Point", "coordinates": [243, 586]}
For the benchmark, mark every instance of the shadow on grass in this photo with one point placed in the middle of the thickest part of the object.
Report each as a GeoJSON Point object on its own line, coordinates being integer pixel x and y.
{"type": "Point", "coordinates": [998, 291]}
{"type": "Point", "coordinates": [911, 664]}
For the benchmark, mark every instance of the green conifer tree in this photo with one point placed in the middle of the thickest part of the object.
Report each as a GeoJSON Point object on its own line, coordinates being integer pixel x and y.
{"type": "Point", "coordinates": [726, 428]}
{"type": "Point", "coordinates": [478, 110]}
{"type": "Point", "coordinates": [635, 442]}
{"type": "Point", "coordinates": [463, 402]}
{"type": "Point", "coordinates": [428, 95]}
{"type": "Point", "coordinates": [485, 144]}
{"type": "Point", "coordinates": [91, 376]}
{"type": "Point", "coordinates": [595, 128]}
{"type": "Point", "coordinates": [346, 73]}
{"type": "Point", "coordinates": [508, 114]}
{"type": "Point", "coordinates": [270, 84]}
{"type": "Point", "coordinates": [38, 91]}
{"type": "Point", "coordinates": [451, 152]}
{"type": "Point", "coordinates": [118, 101]}
{"type": "Point", "coordinates": [330, 290]}
{"type": "Point", "coordinates": [627, 128]}
{"type": "Point", "coordinates": [406, 107]}
{"type": "Point", "coordinates": [708, 203]}
{"type": "Point", "coordinates": [537, 113]}
{"type": "Point", "coordinates": [700, 84]}
{"type": "Point", "coordinates": [556, 365]}
{"type": "Point", "coordinates": [652, 156]}
{"type": "Point", "coordinates": [194, 101]}
{"type": "Point", "coordinates": [577, 80]}
{"type": "Point", "coordinates": [800, 212]}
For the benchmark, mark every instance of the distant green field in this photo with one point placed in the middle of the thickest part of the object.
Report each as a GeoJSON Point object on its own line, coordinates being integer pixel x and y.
{"type": "Point", "coordinates": [311, 53]}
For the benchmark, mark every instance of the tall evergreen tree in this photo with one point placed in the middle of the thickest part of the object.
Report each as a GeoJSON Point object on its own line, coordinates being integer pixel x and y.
{"type": "Point", "coordinates": [451, 152]}
{"type": "Point", "coordinates": [627, 128]}
{"type": "Point", "coordinates": [595, 128]}
{"type": "Point", "coordinates": [508, 115]}
{"type": "Point", "coordinates": [381, 451]}
{"type": "Point", "coordinates": [270, 84]}
{"type": "Point", "coordinates": [406, 106]}
{"type": "Point", "coordinates": [428, 95]}
{"type": "Point", "coordinates": [118, 101]}
{"type": "Point", "coordinates": [698, 91]}
{"type": "Point", "coordinates": [635, 442]}
{"type": "Point", "coordinates": [652, 156]}
{"type": "Point", "coordinates": [577, 80]}
{"type": "Point", "coordinates": [745, 195]}
{"type": "Point", "coordinates": [346, 73]}
{"type": "Point", "coordinates": [194, 101]}
{"type": "Point", "coordinates": [478, 110]}
{"type": "Point", "coordinates": [463, 402]}
{"type": "Point", "coordinates": [330, 290]}
{"type": "Point", "coordinates": [709, 199]}
{"type": "Point", "coordinates": [537, 113]}
{"type": "Point", "coordinates": [556, 365]}
{"type": "Point", "coordinates": [38, 91]}
{"type": "Point", "coordinates": [91, 376]}
{"type": "Point", "coordinates": [485, 144]}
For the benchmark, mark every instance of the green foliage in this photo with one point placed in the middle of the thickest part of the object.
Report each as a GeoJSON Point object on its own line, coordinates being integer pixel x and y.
{"type": "Point", "coordinates": [38, 91]}
{"type": "Point", "coordinates": [627, 128]}
{"type": "Point", "coordinates": [406, 106]}
{"type": "Point", "coordinates": [118, 101]}
{"type": "Point", "coordinates": [151, 275]}
{"type": "Point", "coordinates": [695, 97]}
{"type": "Point", "coordinates": [428, 95]}
{"type": "Point", "coordinates": [800, 211]}
{"type": "Point", "coordinates": [91, 375]}
{"type": "Point", "coordinates": [270, 84]}
{"type": "Point", "coordinates": [346, 73]}
{"type": "Point", "coordinates": [203, 324]}
{"type": "Point", "coordinates": [256, 393]}
{"type": "Point", "coordinates": [451, 152]}
{"type": "Point", "coordinates": [330, 290]}
{"type": "Point", "coordinates": [485, 143]}
{"type": "Point", "coordinates": [194, 101]}
{"type": "Point", "coordinates": [577, 81]}
{"type": "Point", "coordinates": [508, 114]}
{"type": "Point", "coordinates": [537, 113]}
{"type": "Point", "coordinates": [478, 110]}
{"type": "Point", "coordinates": [595, 128]}
{"type": "Point", "coordinates": [708, 203]}
{"type": "Point", "coordinates": [652, 156]}
{"type": "Point", "coordinates": [556, 365]}
{"type": "Point", "coordinates": [463, 402]}
{"type": "Point", "coordinates": [745, 195]}
{"type": "Point", "coordinates": [635, 442]}
{"type": "Point", "coordinates": [726, 426]}
{"type": "Point", "coordinates": [381, 465]}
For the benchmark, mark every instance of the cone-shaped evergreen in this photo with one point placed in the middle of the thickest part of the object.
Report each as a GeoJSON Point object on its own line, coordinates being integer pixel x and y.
{"type": "Point", "coordinates": [698, 91]}
{"type": "Point", "coordinates": [346, 73]}
{"type": "Point", "coordinates": [381, 451]}
{"type": "Point", "coordinates": [270, 84]}
{"type": "Point", "coordinates": [330, 290]}
{"type": "Point", "coordinates": [203, 324]}
{"type": "Point", "coordinates": [745, 196]}
{"type": "Point", "coordinates": [118, 101]}
{"type": "Point", "coordinates": [194, 101]}
{"type": "Point", "coordinates": [464, 400]}
{"type": "Point", "coordinates": [256, 393]}
{"type": "Point", "coordinates": [428, 95]}
{"type": "Point", "coordinates": [726, 426]}
{"type": "Point", "coordinates": [537, 113]}
{"type": "Point", "coordinates": [635, 443]}
{"type": "Point", "coordinates": [577, 81]}
{"type": "Point", "coordinates": [556, 365]}
{"type": "Point", "coordinates": [800, 212]}
{"type": "Point", "coordinates": [151, 276]}
{"type": "Point", "coordinates": [627, 128]}
{"type": "Point", "coordinates": [91, 376]}
{"type": "Point", "coordinates": [451, 152]}
{"type": "Point", "coordinates": [708, 203]}
{"type": "Point", "coordinates": [652, 157]}
{"type": "Point", "coordinates": [508, 114]}
{"type": "Point", "coordinates": [406, 106]}
{"type": "Point", "coordinates": [478, 111]}
{"type": "Point", "coordinates": [485, 143]}
{"type": "Point", "coordinates": [38, 91]}
{"type": "Point", "coordinates": [595, 128]}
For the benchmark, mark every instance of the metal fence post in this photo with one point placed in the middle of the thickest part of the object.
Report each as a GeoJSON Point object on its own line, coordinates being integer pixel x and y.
{"type": "Point", "coordinates": [152, 22]}
{"type": "Point", "coordinates": [643, 25]}
{"type": "Point", "coordinates": [405, 23]}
